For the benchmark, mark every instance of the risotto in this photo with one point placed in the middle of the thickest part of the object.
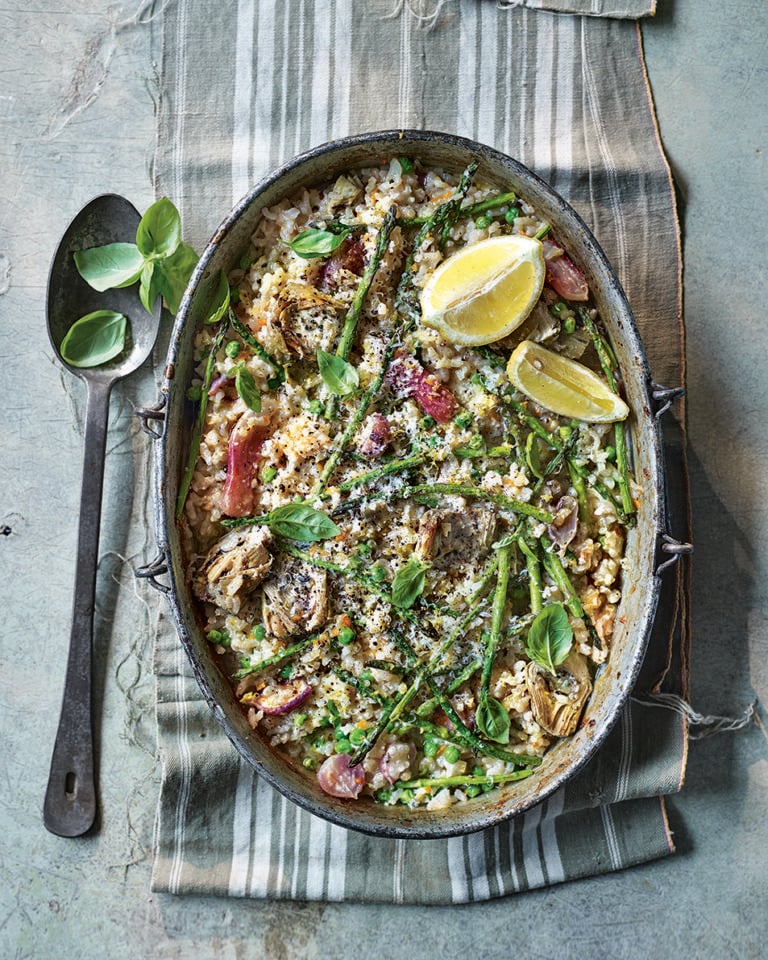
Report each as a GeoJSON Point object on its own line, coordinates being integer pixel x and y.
{"type": "Point", "coordinates": [409, 568]}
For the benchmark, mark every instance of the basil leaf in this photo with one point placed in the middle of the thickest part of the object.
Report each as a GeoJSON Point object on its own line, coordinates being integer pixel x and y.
{"type": "Point", "coordinates": [492, 720]}
{"type": "Point", "coordinates": [173, 275]}
{"type": "Point", "coordinates": [533, 457]}
{"type": "Point", "coordinates": [113, 265]}
{"type": "Point", "coordinates": [339, 376]}
{"type": "Point", "coordinates": [247, 389]}
{"type": "Point", "coordinates": [313, 243]}
{"type": "Point", "coordinates": [408, 584]}
{"type": "Point", "coordinates": [550, 637]}
{"type": "Point", "coordinates": [159, 231]}
{"type": "Point", "coordinates": [149, 285]}
{"type": "Point", "coordinates": [95, 338]}
{"type": "Point", "coordinates": [299, 521]}
{"type": "Point", "coordinates": [212, 298]}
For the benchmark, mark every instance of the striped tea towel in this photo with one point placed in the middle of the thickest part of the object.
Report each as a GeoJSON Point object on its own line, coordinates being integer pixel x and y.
{"type": "Point", "coordinates": [566, 95]}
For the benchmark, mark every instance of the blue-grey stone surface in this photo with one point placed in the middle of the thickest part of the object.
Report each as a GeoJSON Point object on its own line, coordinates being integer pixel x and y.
{"type": "Point", "coordinates": [77, 95]}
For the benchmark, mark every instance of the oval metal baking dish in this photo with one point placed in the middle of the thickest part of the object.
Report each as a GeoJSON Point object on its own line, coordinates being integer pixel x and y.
{"type": "Point", "coordinates": [645, 540]}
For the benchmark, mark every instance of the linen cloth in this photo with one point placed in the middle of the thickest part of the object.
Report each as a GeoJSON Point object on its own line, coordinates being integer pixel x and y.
{"type": "Point", "coordinates": [567, 96]}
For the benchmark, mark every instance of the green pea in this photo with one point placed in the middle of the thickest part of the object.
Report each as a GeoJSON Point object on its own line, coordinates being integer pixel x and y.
{"type": "Point", "coordinates": [221, 637]}
{"type": "Point", "coordinates": [610, 454]}
{"type": "Point", "coordinates": [194, 392]}
{"type": "Point", "coordinates": [452, 754]}
{"type": "Point", "coordinates": [343, 746]}
{"type": "Point", "coordinates": [308, 763]}
{"type": "Point", "coordinates": [512, 214]}
{"type": "Point", "coordinates": [463, 419]}
{"type": "Point", "coordinates": [427, 422]}
{"type": "Point", "coordinates": [378, 573]}
{"type": "Point", "coordinates": [300, 719]}
{"type": "Point", "coordinates": [259, 631]}
{"type": "Point", "coordinates": [430, 747]}
{"type": "Point", "coordinates": [356, 736]}
{"type": "Point", "coordinates": [560, 310]}
{"type": "Point", "coordinates": [569, 325]}
{"type": "Point", "coordinates": [346, 636]}
{"type": "Point", "coordinates": [482, 223]}
{"type": "Point", "coordinates": [232, 349]}
{"type": "Point", "coordinates": [268, 474]}
{"type": "Point", "coordinates": [472, 790]}
{"type": "Point", "coordinates": [315, 407]}
{"type": "Point", "coordinates": [286, 671]}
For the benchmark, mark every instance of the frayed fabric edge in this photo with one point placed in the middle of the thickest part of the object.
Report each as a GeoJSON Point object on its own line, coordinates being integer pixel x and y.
{"type": "Point", "coordinates": [705, 725]}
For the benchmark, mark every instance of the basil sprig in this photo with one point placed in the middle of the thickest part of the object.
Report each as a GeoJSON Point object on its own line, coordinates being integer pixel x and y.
{"type": "Point", "coordinates": [299, 521]}
{"type": "Point", "coordinates": [159, 260]}
{"type": "Point", "coordinates": [550, 637]}
{"type": "Point", "coordinates": [313, 242]}
{"type": "Point", "coordinates": [340, 377]}
{"type": "Point", "coordinates": [408, 584]}
{"type": "Point", "coordinates": [94, 339]}
{"type": "Point", "coordinates": [492, 720]}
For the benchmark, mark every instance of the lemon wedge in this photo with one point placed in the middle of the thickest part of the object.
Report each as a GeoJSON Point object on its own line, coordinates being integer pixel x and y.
{"type": "Point", "coordinates": [563, 386]}
{"type": "Point", "coordinates": [484, 291]}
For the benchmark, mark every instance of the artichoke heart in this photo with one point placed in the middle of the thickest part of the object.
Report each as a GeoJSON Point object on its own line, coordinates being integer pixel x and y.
{"type": "Point", "coordinates": [558, 701]}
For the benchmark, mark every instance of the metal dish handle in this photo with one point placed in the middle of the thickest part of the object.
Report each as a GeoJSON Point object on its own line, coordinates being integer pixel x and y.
{"type": "Point", "coordinates": [155, 569]}
{"type": "Point", "coordinates": [148, 414]}
{"type": "Point", "coordinates": [159, 566]}
{"type": "Point", "coordinates": [671, 547]}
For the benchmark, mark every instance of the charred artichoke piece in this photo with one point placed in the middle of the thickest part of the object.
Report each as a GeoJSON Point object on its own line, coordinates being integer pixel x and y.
{"type": "Point", "coordinates": [233, 568]}
{"type": "Point", "coordinates": [558, 701]}
{"type": "Point", "coordinates": [450, 537]}
{"type": "Point", "coordinates": [295, 598]}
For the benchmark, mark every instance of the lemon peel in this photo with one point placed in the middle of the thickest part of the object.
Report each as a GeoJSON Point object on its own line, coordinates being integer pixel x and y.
{"type": "Point", "coordinates": [562, 385]}
{"type": "Point", "coordinates": [485, 291]}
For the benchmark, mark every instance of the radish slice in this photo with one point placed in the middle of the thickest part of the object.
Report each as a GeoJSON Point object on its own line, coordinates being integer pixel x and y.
{"type": "Point", "coordinates": [248, 434]}
{"type": "Point", "coordinates": [282, 697]}
{"type": "Point", "coordinates": [338, 779]}
{"type": "Point", "coordinates": [563, 275]}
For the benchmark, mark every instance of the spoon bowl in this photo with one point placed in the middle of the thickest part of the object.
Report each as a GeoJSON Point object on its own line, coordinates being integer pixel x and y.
{"type": "Point", "coordinates": [70, 802]}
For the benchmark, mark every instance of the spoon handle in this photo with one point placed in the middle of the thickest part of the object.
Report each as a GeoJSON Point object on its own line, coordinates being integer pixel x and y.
{"type": "Point", "coordinates": [70, 800]}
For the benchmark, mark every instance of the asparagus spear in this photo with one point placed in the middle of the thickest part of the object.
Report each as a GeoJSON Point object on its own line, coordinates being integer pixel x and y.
{"type": "Point", "coordinates": [534, 574]}
{"type": "Point", "coordinates": [280, 657]}
{"type": "Point", "coordinates": [386, 470]}
{"type": "Point", "coordinates": [459, 489]}
{"type": "Point", "coordinates": [463, 780]}
{"type": "Point", "coordinates": [470, 210]}
{"type": "Point", "coordinates": [197, 432]}
{"type": "Point", "coordinates": [247, 337]}
{"type": "Point", "coordinates": [608, 363]}
{"type": "Point", "coordinates": [352, 319]}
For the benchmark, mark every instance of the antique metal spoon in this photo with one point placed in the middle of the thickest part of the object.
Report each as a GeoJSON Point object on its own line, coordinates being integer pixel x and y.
{"type": "Point", "coordinates": [70, 800]}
